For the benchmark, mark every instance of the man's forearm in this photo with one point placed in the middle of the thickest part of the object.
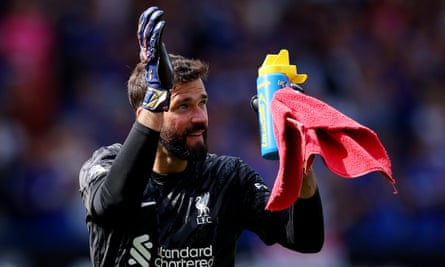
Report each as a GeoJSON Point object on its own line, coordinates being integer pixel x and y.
{"type": "Point", "coordinates": [125, 183]}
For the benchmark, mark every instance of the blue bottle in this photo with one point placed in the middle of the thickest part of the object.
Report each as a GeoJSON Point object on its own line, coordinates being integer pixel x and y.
{"type": "Point", "coordinates": [273, 75]}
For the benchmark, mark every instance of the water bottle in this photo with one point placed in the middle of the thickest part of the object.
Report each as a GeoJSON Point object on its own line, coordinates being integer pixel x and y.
{"type": "Point", "coordinates": [274, 74]}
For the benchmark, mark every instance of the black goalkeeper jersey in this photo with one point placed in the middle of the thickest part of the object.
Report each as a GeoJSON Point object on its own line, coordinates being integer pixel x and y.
{"type": "Point", "coordinates": [139, 218]}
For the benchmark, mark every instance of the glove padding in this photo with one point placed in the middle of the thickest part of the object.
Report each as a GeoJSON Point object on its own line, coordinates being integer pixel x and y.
{"type": "Point", "coordinates": [154, 56]}
{"type": "Point", "coordinates": [254, 99]}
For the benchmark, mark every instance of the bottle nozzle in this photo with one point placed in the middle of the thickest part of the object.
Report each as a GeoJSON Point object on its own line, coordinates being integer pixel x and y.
{"type": "Point", "coordinates": [279, 63]}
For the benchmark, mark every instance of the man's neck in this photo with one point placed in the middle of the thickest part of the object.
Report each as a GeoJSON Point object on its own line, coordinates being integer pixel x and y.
{"type": "Point", "coordinates": [166, 164]}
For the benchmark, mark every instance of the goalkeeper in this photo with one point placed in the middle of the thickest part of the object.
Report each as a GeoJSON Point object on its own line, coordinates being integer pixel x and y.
{"type": "Point", "coordinates": [160, 198]}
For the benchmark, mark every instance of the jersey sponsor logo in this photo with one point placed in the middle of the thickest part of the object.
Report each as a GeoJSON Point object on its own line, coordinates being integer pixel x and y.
{"type": "Point", "coordinates": [193, 257]}
{"type": "Point", "coordinates": [141, 255]}
{"type": "Point", "coordinates": [140, 251]}
{"type": "Point", "coordinates": [201, 204]}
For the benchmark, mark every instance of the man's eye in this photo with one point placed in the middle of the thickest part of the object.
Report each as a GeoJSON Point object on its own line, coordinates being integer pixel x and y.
{"type": "Point", "coordinates": [182, 107]}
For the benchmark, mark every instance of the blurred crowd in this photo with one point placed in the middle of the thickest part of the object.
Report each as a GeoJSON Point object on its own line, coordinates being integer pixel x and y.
{"type": "Point", "coordinates": [63, 72]}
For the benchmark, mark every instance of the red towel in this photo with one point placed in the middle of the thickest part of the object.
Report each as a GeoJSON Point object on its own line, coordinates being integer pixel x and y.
{"type": "Point", "coordinates": [304, 127]}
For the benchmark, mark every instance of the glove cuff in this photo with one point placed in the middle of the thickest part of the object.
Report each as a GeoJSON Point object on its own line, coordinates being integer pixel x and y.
{"type": "Point", "coordinates": [156, 100]}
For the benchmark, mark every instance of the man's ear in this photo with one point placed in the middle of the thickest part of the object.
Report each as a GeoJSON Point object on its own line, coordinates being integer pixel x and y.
{"type": "Point", "coordinates": [138, 111]}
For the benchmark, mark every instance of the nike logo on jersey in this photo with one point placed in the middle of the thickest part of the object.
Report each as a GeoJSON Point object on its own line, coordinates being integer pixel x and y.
{"type": "Point", "coordinates": [148, 203]}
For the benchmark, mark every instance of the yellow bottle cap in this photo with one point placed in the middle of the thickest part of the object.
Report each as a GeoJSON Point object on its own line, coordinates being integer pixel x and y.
{"type": "Point", "coordinates": [279, 63]}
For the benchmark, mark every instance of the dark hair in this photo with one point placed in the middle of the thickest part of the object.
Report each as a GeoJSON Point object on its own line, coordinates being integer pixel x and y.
{"type": "Point", "coordinates": [185, 70]}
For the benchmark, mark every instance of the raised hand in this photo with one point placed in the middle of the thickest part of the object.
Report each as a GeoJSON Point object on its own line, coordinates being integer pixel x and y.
{"type": "Point", "coordinates": [153, 54]}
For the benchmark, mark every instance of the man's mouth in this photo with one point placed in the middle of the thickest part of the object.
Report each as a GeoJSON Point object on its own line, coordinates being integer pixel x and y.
{"type": "Point", "coordinates": [196, 136]}
{"type": "Point", "coordinates": [198, 133]}
{"type": "Point", "coordinates": [196, 130]}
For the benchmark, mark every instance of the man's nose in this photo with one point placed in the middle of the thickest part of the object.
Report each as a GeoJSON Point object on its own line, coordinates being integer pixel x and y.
{"type": "Point", "coordinates": [199, 116]}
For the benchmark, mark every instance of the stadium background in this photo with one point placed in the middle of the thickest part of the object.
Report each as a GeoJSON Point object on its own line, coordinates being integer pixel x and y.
{"type": "Point", "coordinates": [63, 71]}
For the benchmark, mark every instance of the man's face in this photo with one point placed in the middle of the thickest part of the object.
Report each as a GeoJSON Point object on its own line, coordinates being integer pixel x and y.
{"type": "Point", "coordinates": [184, 130]}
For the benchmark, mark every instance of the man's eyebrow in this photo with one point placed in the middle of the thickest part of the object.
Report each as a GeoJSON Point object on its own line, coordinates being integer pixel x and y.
{"type": "Point", "coordinates": [189, 99]}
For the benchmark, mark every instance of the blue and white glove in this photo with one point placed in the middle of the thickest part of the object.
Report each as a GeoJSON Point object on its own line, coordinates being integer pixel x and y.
{"type": "Point", "coordinates": [153, 54]}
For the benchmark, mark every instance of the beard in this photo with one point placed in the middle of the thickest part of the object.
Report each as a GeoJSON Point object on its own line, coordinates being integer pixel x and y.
{"type": "Point", "coordinates": [176, 143]}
